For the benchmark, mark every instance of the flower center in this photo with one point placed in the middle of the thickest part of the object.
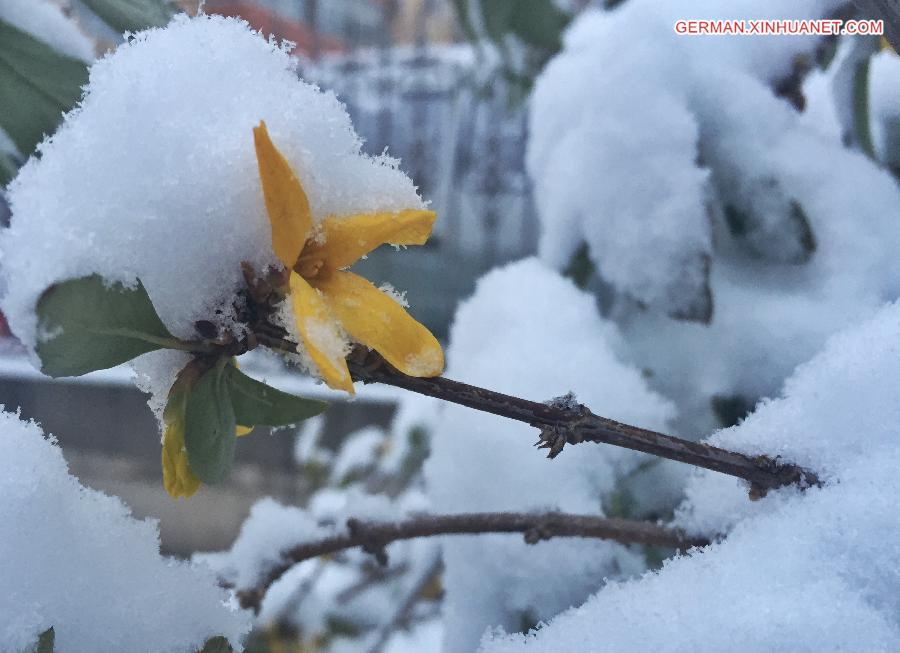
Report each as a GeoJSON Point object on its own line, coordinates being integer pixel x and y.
{"type": "Point", "coordinates": [309, 265]}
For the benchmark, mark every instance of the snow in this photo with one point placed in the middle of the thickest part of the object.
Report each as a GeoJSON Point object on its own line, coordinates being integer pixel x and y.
{"type": "Point", "coordinates": [154, 176]}
{"type": "Point", "coordinates": [273, 527]}
{"type": "Point", "coordinates": [645, 221]}
{"type": "Point", "coordinates": [813, 255]}
{"type": "Point", "coordinates": [530, 333]}
{"type": "Point", "coordinates": [269, 529]}
{"type": "Point", "coordinates": [799, 571]}
{"type": "Point", "coordinates": [75, 559]}
{"type": "Point", "coordinates": [340, 587]}
{"type": "Point", "coordinates": [46, 22]}
{"type": "Point", "coordinates": [884, 104]}
{"type": "Point", "coordinates": [358, 453]}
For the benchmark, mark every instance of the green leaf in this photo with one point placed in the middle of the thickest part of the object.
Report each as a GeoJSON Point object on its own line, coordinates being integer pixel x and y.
{"type": "Point", "coordinates": [46, 641]}
{"type": "Point", "coordinates": [539, 23]}
{"type": "Point", "coordinates": [861, 122]}
{"type": "Point", "coordinates": [37, 85]}
{"type": "Point", "coordinates": [497, 16]}
{"type": "Point", "coordinates": [258, 404]}
{"type": "Point", "coordinates": [731, 409]}
{"type": "Point", "coordinates": [580, 268]}
{"type": "Point", "coordinates": [131, 15]}
{"type": "Point", "coordinates": [8, 169]}
{"type": "Point", "coordinates": [217, 645]}
{"type": "Point", "coordinates": [209, 426]}
{"type": "Point", "coordinates": [784, 235]}
{"type": "Point", "coordinates": [86, 324]}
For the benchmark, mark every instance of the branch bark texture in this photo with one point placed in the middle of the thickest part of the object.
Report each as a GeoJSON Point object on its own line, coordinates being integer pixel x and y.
{"type": "Point", "coordinates": [373, 537]}
{"type": "Point", "coordinates": [564, 421]}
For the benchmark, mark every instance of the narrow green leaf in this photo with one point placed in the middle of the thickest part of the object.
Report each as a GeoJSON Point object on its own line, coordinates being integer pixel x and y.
{"type": "Point", "coordinates": [861, 122]}
{"type": "Point", "coordinates": [8, 169]}
{"type": "Point", "coordinates": [37, 85]}
{"type": "Point", "coordinates": [209, 426]}
{"type": "Point", "coordinates": [258, 404]}
{"type": "Point", "coordinates": [580, 268]}
{"type": "Point", "coordinates": [131, 15]}
{"type": "Point", "coordinates": [217, 645]}
{"type": "Point", "coordinates": [86, 324]}
{"type": "Point", "coordinates": [46, 641]}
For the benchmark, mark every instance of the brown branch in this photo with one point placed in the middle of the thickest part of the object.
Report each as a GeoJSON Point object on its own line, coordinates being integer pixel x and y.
{"type": "Point", "coordinates": [373, 537]}
{"type": "Point", "coordinates": [563, 422]}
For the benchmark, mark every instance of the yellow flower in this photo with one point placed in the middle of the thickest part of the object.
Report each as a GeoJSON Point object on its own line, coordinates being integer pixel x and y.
{"type": "Point", "coordinates": [326, 298]}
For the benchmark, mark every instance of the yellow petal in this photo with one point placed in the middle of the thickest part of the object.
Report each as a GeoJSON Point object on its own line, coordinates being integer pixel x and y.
{"type": "Point", "coordinates": [320, 335]}
{"type": "Point", "coordinates": [286, 202]}
{"type": "Point", "coordinates": [349, 238]}
{"type": "Point", "coordinates": [178, 479]}
{"type": "Point", "coordinates": [379, 322]}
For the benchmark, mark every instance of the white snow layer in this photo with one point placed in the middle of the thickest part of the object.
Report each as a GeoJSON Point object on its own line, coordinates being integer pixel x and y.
{"type": "Point", "coordinates": [622, 126]}
{"type": "Point", "coordinates": [75, 559]}
{"type": "Point", "coordinates": [637, 155]}
{"type": "Point", "coordinates": [46, 22]}
{"type": "Point", "coordinates": [529, 332]}
{"type": "Point", "coordinates": [799, 571]}
{"type": "Point", "coordinates": [154, 176]}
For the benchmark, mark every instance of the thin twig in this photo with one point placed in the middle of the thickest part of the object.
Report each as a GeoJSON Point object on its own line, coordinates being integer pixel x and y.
{"type": "Point", "coordinates": [566, 422]}
{"type": "Point", "coordinates": [373, 537]}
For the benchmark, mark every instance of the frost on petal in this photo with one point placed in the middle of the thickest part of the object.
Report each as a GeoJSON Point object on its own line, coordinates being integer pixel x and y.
{"type": "Point", "coordinates": [378, 321]}
{"type": "Point", "coordinates": [320, 336]}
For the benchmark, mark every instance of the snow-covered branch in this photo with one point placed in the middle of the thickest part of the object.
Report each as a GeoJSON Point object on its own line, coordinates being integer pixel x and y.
{"type": "Point", "coordinates": [373, 537]}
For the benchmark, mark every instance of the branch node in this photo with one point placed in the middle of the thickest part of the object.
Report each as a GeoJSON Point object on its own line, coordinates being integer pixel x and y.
{"type": "Point", "coordinates": [537, 533]}
{"type": "Point", "coordinates": [369, 541]}
{"type": "Point", "coordinates": [567, 429]}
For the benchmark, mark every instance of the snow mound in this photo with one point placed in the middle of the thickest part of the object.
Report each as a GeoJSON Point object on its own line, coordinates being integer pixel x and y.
{"type": "Point", "coordinates": [529, 332]}
{"type": "Point", "coordinates": [75, 559]}
{"type": "Point", "coordinates": [799, 571]}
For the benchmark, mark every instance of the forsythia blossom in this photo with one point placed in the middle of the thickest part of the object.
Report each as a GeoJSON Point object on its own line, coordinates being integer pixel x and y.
{"type": "Point", "coordinates": [326, 298]}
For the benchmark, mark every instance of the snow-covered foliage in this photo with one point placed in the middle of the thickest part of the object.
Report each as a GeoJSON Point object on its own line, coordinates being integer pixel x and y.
{"type": "Point", "coordinates": [530, 333]}
{"type": "Point", "coordinates": [799, 571]}
{"type": "Point", "coordinates": [74, 559]}
{"type": "Point", "coordinates": [154, 177]}
{"type": "Point", "coordinates": [728, 238]}
{"type": "Point", "coordinates": [700, 194]}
